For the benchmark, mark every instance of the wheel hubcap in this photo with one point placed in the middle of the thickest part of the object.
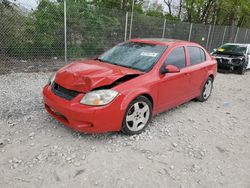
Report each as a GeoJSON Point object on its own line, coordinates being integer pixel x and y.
{"type": "Point", "coordinates": [137, 116]}
{"type": "Point", "coordinates": [208, 89]}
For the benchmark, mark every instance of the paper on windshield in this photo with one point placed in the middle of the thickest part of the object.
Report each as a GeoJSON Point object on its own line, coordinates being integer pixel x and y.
{"type": "Point", "coordinates": [221, 49]}
{"type": "Point", "coordinates": [149, 54]}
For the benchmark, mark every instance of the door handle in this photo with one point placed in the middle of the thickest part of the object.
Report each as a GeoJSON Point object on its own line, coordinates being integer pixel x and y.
{"type": "Point", "coordinates": [187, 74]}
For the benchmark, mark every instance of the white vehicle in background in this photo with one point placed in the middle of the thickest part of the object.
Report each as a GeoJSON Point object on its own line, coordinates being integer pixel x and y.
{"type": "Point", "coordinates": [233, 57]}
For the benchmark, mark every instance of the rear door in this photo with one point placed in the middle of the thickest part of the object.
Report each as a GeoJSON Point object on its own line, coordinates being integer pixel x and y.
{"type": "Point", "coordinates": [197, 69]}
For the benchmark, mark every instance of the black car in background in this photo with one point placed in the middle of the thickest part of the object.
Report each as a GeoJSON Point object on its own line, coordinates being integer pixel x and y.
{"type": "Point", "coordinates": [233, 57]}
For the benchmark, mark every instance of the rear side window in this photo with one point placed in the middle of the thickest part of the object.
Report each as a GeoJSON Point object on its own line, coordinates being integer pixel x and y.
{"type": "Point", "coordinates": [177, 57]}
{"type": "Point", "coordinates": [197, 55]}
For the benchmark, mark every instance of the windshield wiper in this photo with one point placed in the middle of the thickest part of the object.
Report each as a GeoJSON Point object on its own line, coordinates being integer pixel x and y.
{"type": "Point", "coordinates": [130, 67]}
{"type": "Point", "coordinates": [123, 65]}
{"type": "Point", "coordinates": [104, 61]}
{"type": "Point", "coordinates": [126, 66]}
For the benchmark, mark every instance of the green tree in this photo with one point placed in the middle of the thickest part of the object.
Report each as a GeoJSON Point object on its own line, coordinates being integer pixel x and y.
{"type": "Point", "coordinates": [92, 29]}
{"type": "Point", "coordinates": [230, 12]}
{"type": "Point", "coordinates": [45, 29]}
{"type": "Point", "coordinates": [155, 10]}
{"type": "Point", "coordinates": [12, 27]}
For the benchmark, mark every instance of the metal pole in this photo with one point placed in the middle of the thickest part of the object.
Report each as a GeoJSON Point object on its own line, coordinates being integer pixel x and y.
{"type": "Point", "coordinates": [224, 34]}
{"type": "Point", "coordinates": [236, 35]}
{"type": "Point", "coordinates": [245, 38]}
{"type": "Point", "coordinates": [126, 27]}
{"type": "Point", "coordinates": [164, 28]}
{"type": "Point", "coordinates": [65, 33]}
{"type": "Point", "coordinates": [121, 3]}
{"type": "Point", "coordinates": [212, 35]}
{"type": "Point", "coordinates": [190, 31]}
{"type": "Point", "coordinates": [131, 21]}
{"type": "Point", "coordinates": [208, 36]}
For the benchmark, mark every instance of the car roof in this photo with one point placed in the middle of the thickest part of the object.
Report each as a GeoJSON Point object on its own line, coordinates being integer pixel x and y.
{"type": "Point", "coordinates": [162, 41]}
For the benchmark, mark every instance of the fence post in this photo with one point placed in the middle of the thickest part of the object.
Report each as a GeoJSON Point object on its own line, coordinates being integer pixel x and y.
{"type": "Point", "coordinates": [190, 31]}
{"type": "Point", "coordinates": [224, 34]}
{"type": "Point", "coordinates": [212, 36]}
{"type": "Point", "coordinates": [121, 4]}
{"type": "Point", "coordinates": [126, 27]}
{"type": "Point", "coordinates": [236, 35]}
{"type": "Point", "coordinates": [164, 28]}
{"type": "Point", "coordinates": [131, 21]}
{"type": "Point", "coordinates": [65, 33]}
{"type": "Point", "coordinates": [245, 38]}
{"type": "Point", "coordinates": [208, 36]}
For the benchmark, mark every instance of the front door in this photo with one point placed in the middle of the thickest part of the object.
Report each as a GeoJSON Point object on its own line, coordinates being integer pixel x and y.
{"type": "Point", "coordinates": [173, 87]}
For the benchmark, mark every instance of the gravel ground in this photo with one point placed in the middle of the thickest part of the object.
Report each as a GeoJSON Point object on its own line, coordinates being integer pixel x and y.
{"type": "Point", "coordinates": [15, 65]}
{"type": "Point", "coordinates": [194, 145]}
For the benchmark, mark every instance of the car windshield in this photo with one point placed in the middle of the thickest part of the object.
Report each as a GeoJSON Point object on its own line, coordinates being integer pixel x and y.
{"type": "Point", "coordinates": [232, 49]}
{"type": "Point", "coordinates": [135, 55]}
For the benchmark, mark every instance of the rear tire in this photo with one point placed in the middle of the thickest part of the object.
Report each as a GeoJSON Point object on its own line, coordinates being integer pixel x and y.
{"type": "Point", "coordinates": [206, 91]}
{"type": "Point", "coordinates": [137, 116]}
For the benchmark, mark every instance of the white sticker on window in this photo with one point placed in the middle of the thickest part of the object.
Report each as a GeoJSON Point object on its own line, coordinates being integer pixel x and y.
{"type": "Point", "coordinates": [149, 54]}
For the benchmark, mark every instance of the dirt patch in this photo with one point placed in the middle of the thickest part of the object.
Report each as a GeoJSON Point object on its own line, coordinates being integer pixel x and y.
{"type": "Point", "coordinates": [14, 65]}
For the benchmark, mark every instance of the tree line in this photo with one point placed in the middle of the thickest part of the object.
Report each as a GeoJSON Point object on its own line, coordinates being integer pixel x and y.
{"type": "Point", "coordinates": [93, 26]}
{"type": "Point", "coordinates": [229, 12]}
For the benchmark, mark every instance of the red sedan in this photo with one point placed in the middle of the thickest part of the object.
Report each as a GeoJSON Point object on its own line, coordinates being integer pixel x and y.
{"type": "Point", "coordinates": [126, 86]}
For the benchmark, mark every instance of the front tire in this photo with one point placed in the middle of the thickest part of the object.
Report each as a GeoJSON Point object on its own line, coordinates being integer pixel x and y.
{"type": "Point", "coordinates": [242, 69]}
{"type": "Point", "coordinates": [206, 91]}
{"type": "Point", "coordinates": [137, 116]}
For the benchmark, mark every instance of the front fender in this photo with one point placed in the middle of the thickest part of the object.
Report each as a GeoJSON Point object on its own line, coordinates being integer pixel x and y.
{"type": "Point", "coordinates": [129, 97]}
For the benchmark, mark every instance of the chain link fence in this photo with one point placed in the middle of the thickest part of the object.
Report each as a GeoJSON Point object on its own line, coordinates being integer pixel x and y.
{"type": "Point", "coordinates": [34, 40]}
{"type": "Point", "coordinates": [31, 39]}
{"type": "Point", "coordinates": [92, 30]}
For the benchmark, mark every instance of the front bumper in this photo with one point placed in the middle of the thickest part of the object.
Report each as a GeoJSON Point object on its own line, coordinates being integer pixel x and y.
{"type": "Point", "coordinates": [83, 118]}
{"type": "Point", "coordinates": [228, 65]}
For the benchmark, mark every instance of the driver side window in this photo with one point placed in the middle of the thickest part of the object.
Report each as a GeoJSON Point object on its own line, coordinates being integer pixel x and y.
{"type": "Point", "coordinates": [177, 58]}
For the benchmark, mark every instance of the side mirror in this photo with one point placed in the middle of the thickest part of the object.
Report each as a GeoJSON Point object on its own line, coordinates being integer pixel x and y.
{"type": "Point", "coordinates": [169, 69]}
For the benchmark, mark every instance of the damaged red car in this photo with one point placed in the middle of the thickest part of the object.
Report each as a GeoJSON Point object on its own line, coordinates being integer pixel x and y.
{"type": "Point", "coordinates": [125, 87]}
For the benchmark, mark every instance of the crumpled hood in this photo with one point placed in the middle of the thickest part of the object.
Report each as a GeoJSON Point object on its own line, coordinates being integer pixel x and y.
{"type": "Point", "coordinates": [83, 76]}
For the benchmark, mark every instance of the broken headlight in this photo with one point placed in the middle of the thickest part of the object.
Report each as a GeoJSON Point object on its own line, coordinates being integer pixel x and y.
{"type": "Point", "coordinates": [237, 61]}
{"type": "Point", "coordinates": [99, 97]}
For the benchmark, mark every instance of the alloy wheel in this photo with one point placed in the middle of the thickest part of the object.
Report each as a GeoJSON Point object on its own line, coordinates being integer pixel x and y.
{"type": "Point", "coordinates": [137, 116]}
{"type": "Point", "coordinates": [207, 89]}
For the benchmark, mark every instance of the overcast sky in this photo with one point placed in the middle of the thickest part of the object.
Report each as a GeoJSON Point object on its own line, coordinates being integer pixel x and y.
{"type": "Point", "coordinates": [31, 4]}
